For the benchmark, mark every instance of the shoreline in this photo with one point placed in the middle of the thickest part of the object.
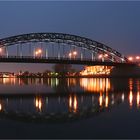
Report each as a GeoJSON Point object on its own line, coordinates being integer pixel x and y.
{"type": "Point", "coordinates": [108, 76]}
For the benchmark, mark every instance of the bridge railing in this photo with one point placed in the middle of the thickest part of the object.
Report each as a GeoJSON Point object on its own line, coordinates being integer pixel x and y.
{"type": "Point", "coordinates": [58, 58]}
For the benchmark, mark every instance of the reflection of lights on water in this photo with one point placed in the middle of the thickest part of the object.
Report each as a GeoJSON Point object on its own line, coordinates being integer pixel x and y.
{"type": "Point", "coordinates": [101, 84]}
{"type": "Point", "coordinates": [54, 82]}
{"type": "Point", "coordinates": [0, 106]}
{"type": "Point", "coordinates": [130, 84]}
{"type": "Point", "coordinates": [123, 97]}
{"type": "Point", "coordinates": [95, 84]}
{"type": "Point", "coordinates": [73, 104]}
{"type": "Point", "coordinates": [100, 100]}
{"type": "Point", "coordinates": [130, 98]}
{"type": "Point", "coordinates": [106, 101]}
{"type": "Point", "coordinates": [71, 81]}
{"type": "Point", "coordinates": [9, 80]}
{"type": "Point", "coordinates": [70, 102]}
{"type": "Point", "coordinates": [38, 103]}
{"type": "Point", "coordinates": [130, 94]}
{"type": "Point", "coordinates": [138, 99]}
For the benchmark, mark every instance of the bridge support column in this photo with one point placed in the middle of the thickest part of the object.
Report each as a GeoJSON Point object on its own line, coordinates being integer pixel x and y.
{"type": "Point", "coordinates": [6, 51]}
{"type": "Point", "coordinates": [30, 50]}
{"type": "Point", "coordinates": [93, 56]}
{"type": "Point", "coordinates": [64, 51]}
{"type": "Point", "coordinates": [81, 56]}
{"type": "Point", "coordinates": [58, 50]}
{"type": "Point", "coordinates": [103, 59]}
{"type": "Point", "coordinates": [20, 50]}
{"type": "Point", "coordinates": [46, 53]}
{"type": "Point", "coordinates": [17, 50]}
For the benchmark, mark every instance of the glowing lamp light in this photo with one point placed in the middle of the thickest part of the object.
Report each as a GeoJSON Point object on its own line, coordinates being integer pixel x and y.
{"type": "Point", "coordinates": [0, 50]}
{"type": "Point", "coordinates": [130, 58]}
{"type": "Point", "coordinates": [39, 51]}
{"type": "Point", "coordinates": [70, 54]}
{"type": "Point", "coordinates": [74, 53]}
{"type": "Point", "coordinates": [106, 55]}
{"type": "Point", "coordinates": [100, 56]}
{"type": "Point", "coordinates": [137, 57]}
{"type": "Point", "coordinates": [36, 52]}
{"type": "Point", "coordinates": [0, 107]}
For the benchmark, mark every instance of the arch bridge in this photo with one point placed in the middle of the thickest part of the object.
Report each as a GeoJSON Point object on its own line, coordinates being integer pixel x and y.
{"type": "Point", "coordinates": [58, 48]}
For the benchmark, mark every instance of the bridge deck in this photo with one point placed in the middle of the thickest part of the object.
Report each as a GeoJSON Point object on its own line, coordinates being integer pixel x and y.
{"type": "Point", "coordinates": [61, 60]}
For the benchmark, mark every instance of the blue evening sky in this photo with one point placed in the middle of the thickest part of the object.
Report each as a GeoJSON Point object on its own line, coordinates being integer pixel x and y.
{"type": "Point", "coordinates": [116, 24]}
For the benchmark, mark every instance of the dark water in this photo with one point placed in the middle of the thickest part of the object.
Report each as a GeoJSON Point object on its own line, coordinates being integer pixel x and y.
{"type": "Point", "coordinates": [69, 108]}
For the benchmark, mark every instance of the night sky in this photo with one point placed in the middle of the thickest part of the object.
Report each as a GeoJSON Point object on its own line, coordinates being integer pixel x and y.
{"type": "Point", "coordinates": [116, 24]}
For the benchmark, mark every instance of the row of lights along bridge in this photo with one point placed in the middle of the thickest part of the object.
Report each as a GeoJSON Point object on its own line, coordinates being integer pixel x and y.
{"type": "Point", "coordinates": [134, 59]}
{"type": "Point", "coordinates": [38, 53]}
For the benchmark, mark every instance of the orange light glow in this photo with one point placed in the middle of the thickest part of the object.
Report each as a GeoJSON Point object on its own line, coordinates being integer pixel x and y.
{"type": "Point", "coordinates": [137, 57]}
{"type": "Point", "coordinates": [138, 99]}
{"type": "Point", "coordinates": [38, 103]}
{"type": "Point", "coordinates": [70, 102]}
{"type": "Point", "coordinates": [39, 51]}
{"type": "Point", "coordinates": [96, 70]}
{"type": "Point", "coordinates": [0, 106]}
{"type": "Point", "coordinates": [70, 54]}
{"type": "Point", "coordinates": [0, 50]}
{"type": "Point", "coordinates": [75, 104]}
{"type": "Point", "coordinates": [130, 98]}
{"type": "Point", "coordinates": [95, 84]}
{"type": "Point", "coordinates": [106, 55]}
{"type": "Point", "coordinates": [106, 101]}
{"type": "Point", "coordinates": [130, 58]}
{"type": "Point", "coordinates": [100, 99]}
{"type": "Point", "coordinates": [36, 52]}
{"type": "Point", "coordinates": [74, 53]}
{"type": "Point", "coordinates": [100, 56]}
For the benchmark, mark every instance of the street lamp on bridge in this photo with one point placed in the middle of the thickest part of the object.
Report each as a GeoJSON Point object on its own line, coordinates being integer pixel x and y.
{"type": "Point", "coordinates": [73, 54]}
{"type": "Point", "coordinates": [38, 53]}
{"type": "Point", "coordinates": [1, 51]}
{"type": "Point", "coordinates": [102, 57]}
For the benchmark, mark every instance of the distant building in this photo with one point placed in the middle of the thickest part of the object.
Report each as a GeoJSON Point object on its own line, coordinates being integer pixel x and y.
{"type": "Point", "coordinates": [6, 74]}
{"type": "Point", "coordinates": [96, 70]}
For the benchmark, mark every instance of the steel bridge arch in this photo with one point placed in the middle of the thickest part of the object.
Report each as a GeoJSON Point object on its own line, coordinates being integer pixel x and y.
{"type": "Point", "coordinates": [78, 41]}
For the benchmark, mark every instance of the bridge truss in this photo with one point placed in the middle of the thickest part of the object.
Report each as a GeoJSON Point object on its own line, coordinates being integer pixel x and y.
{"type": "Point", "coordinates": [58, 45]}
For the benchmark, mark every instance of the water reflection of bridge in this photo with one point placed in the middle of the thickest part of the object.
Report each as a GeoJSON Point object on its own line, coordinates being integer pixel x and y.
{"type": "Point", "coordinates": [63, 107]}
{"type": "Point", "coordinates": [73, 97]}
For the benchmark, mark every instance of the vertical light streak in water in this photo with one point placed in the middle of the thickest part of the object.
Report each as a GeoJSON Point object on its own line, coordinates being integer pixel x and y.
{"type": "Point", "coordinates": [106, 100]}
{"type": "Point", "coordinates": [138, 94]}
{"type": "Point", "coordinates": [38, 104]}
{"type": "Point", "coordinates": [101, 84]}
{"type": "Point", "coordinates": [0, 106]}
{"type": "Point", "coordinates": [138, 99]}
{"type": "Point", "coordinates": [123, 97]}
{"type": "Point", "coordinates": [70, 103]}
{"type": "Point", "coordinates": [130, 98]}
{"type": "Point", "coordinates": [95, 84]}
{"type": "Point", "coordinates": [75, 104]}
{"type": "Point", "coordinates": [130, 93]}
{"type": "Point", "coordinates": [100, 99]}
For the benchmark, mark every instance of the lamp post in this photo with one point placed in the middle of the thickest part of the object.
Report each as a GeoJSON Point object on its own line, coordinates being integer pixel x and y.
{"type": "Point", "coordinates": [38, 53]}
{"type": "Point", "coordinates": [73, 54]}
